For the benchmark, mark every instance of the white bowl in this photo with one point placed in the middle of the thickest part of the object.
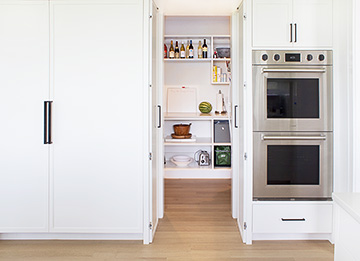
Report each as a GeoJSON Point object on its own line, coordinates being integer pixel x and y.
{"type": "Point", "coordinates": [181, 163]}
{"type": "Point", "coordinates": [181, 158]}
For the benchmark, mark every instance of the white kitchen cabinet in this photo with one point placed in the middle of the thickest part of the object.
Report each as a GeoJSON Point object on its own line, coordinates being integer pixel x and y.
{"type": "Point", "coordinates": [292, 217]}
{"type": "Point", "coordinates": [292, 23]}
{"type": "Point", "coordinates": [99, 116]}
{"type": "Point", "coordinates": [313, 20]}
{"type": "Point", "coordinates": [272, 23]}
{"type": "Point", "coordinates": [24, 86]}
{"type": "Point", "coordinates": [347, 226]}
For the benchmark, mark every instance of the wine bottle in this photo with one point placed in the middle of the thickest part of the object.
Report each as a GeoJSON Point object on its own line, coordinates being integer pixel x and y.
{"type": "Point", "coordinates": [200, 50]}
{"type": "Point", "coordinates": [177, 51]}
{"type": "Point", "coordinates": [172, 51]}
{"type": "Point", "coordinates": [182, 51]}
{"type": "Point", "coordinates": [165, 51]}
{"type": "Point", "coordinates": [187, 50]}
{"type": "Point", "coordinates": [204, 49]}
{"type": "Point", "coordinates": [191, 50]}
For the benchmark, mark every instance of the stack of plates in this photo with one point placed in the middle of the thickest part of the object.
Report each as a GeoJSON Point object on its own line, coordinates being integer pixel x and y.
{"type": "Point", "coordinates": [181, 161]}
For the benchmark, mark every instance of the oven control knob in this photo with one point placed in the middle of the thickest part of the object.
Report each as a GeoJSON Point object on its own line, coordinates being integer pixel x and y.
{"type": "Point", "coordinates": [309, 57]}
{"type": "Point", "coordinates": [276, 57]}
{"type": "Point", "coordinates": [265, 57]}
{"type": "Point", "coordinates": [321, 57]}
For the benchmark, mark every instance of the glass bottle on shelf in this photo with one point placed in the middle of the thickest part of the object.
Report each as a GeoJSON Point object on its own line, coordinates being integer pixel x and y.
{"type": "Point", "coordinates": [200, 50]}
{"type": "Point", "coordinates": [171, 50]}
{"type": "Point", "coordinates": [191, 50]}
{"type": "Point", "coordinates": [187, 50]}
{"type": "Point", "coordinates": [177, 51]}
{"type": "Point", "coordinates": [204, 49]}
{"type": "Point", "coordinates": [215, 54]}
{"type": "Point", "coordinates": [182, 51]}
{"type": "Point", "coordinates": [165, 51]}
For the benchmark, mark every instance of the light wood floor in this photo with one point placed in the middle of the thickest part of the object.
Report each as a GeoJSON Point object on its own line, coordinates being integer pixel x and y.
{"type": "Point", "coordinates": [197, 226]}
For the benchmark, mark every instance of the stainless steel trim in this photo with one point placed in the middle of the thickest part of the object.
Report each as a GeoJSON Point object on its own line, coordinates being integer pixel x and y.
{"type": "Point", "coordinates": [320, 137]}
{"type": "Point", "coordinates": [291, 33]}
{"type": "Point", "coordinates": [264, 70]}
{"type": "Point", "coordinates": [257, 57]}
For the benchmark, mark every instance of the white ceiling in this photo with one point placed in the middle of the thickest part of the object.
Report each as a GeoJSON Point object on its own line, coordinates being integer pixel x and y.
{"type": "Point", "coordinates": [197, 7]}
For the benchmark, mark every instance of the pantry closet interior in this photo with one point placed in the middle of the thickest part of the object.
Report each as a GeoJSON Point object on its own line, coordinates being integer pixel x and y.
{"type": "Point", "coordinates": [182, 84]}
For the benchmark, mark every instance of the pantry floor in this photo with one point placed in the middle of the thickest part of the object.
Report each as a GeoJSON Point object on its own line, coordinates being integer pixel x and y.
{"type": "Point", "coordinates": [197, 226]}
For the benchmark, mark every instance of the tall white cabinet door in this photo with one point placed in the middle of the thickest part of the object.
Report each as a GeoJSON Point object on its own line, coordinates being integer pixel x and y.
{"type": "Point", "coordinates": [98, 115]}
{"type": "Point", "coordinates": [272, 23]}
{"type": "Point", "coordinates": [24, 85]}
{"type": "Point", "coordinates": [313, 21]}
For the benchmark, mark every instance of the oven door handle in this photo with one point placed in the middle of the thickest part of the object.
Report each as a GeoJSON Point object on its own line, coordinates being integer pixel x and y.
{"type": "Point", "coordinates": [321, 137]}
{"type": "Point", "coordinates": [293, 70]}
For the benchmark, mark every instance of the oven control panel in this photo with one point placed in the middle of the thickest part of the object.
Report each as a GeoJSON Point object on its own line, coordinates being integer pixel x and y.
{"type": "Point", "coordinates": [290, 57]}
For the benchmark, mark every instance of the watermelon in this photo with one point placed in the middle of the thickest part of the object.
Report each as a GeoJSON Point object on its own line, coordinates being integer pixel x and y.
{"type": "Point", "coordinates": [205, 107]}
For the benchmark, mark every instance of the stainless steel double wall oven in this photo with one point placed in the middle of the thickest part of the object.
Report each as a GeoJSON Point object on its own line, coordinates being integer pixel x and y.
{"type": "Point", "coordinates": [293, 124]}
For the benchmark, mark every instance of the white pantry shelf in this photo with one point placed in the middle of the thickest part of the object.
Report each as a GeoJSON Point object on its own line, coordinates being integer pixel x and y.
{"type": "Point", "coordinates": [193, 166]}
{"type": "Point", "coordinates": [187, 60]}
{"type": "Point", "coordinates": [200, 141]}
{"type": "Point", "coordinates": [220, 83]}
{"type": "Point", "coordinates": [195, 116]}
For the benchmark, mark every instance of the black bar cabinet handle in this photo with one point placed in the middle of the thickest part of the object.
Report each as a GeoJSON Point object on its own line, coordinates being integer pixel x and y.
{"type": "Point", "coordinates": [159, 125]}
{"type": "Point", "coordinates": [47, 122]}
{"type": "Point", "coordinates": [295, 33]}
{"type": "Point", "coordinates": [292, 219]}
{"type": "Point", "coordinates": [235, 116]}
{"type": "Point", "coordinates": [291, 33]}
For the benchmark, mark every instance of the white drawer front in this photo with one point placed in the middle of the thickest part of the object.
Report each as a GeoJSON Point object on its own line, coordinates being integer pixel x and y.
{"type": "Point", "coordinates": [292, 218]}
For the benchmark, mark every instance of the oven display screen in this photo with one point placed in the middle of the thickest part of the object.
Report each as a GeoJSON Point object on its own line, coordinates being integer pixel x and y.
{"type": "Point", "coordinates": [293, 165]}
{"type": "Point", "coordinates": [292, 57]}
{"type": "Point", "coordinates": [293, 98]}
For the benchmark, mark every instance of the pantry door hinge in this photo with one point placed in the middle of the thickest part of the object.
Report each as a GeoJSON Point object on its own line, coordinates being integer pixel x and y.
{"type": "Point", "coordinates": [245, 156]}
{"type": "Point", "coordinates": [245, 226]}
{"type": "Point", "coordinates": [150, 156]}
{"type": "Point", "coordinates": [150, 226]}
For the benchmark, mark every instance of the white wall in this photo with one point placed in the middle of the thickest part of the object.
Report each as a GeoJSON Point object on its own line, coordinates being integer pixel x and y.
{"type": "Point", "coordinates": [343, 93]}
{"type": "Point", "coordinates": [356, 95]}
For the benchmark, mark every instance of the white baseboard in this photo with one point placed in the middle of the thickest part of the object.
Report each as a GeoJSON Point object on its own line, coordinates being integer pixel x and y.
{"type": "Point", "coordinates": [258, 236]}
{"type": "Point", "coordinates": [69, 236]}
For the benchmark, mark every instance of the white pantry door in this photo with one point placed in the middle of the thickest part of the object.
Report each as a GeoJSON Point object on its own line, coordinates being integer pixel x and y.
{"type": "Point", "coordinates": [99, 115]}
{"type": "Point", "coordinates": [156, 121]}
{"type": "Point", "coordinates": [24, 86]}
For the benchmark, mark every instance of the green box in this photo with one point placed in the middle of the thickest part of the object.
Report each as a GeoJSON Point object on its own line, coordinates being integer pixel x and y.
{"type": "Point", "coordinates": [222, 156]}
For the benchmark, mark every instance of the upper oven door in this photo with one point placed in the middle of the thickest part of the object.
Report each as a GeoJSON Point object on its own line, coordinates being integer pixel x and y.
{"type": "Point", "coordinates": [292, 98]}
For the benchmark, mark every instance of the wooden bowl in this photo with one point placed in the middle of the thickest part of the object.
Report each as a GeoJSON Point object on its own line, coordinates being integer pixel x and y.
{"type": "Point", "coordinates": [182, 129]}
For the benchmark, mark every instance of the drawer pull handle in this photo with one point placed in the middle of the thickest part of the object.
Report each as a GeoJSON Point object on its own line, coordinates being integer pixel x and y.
{"type": "Point", "coordinates": [292, 219]}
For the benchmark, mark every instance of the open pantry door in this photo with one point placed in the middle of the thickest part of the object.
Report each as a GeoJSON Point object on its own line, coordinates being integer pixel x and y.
{"type": "Point", "coordinates": [238, 153]}
{"type": "Point", "coordinates": [156, 121]}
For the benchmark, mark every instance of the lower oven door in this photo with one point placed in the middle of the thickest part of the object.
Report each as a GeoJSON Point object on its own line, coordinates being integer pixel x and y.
{"type": "Point", "coordinates": [290, 165]}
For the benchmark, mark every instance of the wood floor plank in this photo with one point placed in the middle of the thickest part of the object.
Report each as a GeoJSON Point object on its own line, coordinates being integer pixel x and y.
{"type": "Point", "coordinates": [197, 226]}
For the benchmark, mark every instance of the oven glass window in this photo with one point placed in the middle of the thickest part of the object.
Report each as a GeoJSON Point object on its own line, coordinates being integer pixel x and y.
{"type": "Point", "coordinates": [293, 165]}
{"type": "Point", "coordinates": [292, 98]}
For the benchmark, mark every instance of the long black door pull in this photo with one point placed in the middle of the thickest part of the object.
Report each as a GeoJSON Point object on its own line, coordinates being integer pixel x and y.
{"type": "Point", "coordinates": [47, 122]}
